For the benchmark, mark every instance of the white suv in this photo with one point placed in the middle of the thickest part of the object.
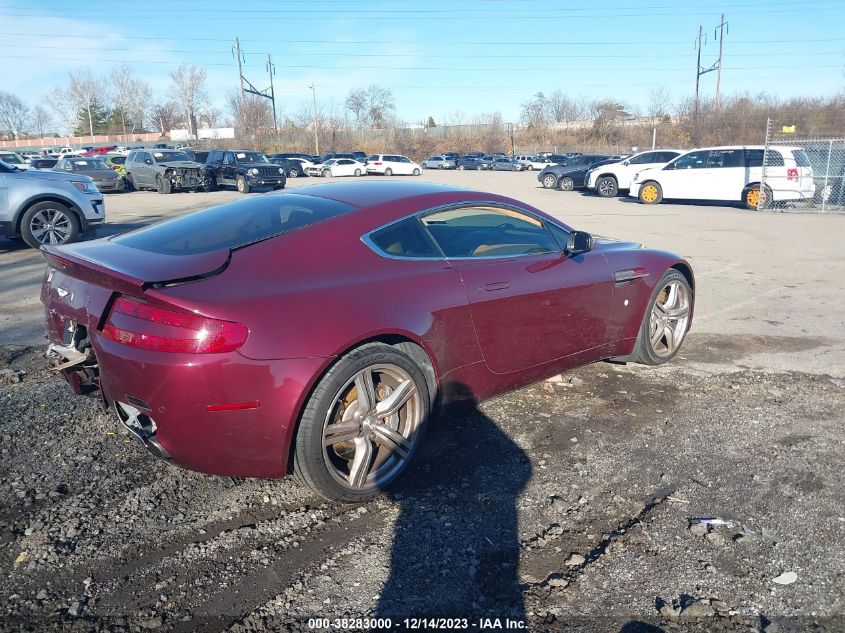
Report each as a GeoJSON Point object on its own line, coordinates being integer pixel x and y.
{"type": "Point", "coordinates": [731, 173]}
{"type": "Point", "coordinates": [609, 180]}
{"type": "Point", "coordinates": [392, 164]}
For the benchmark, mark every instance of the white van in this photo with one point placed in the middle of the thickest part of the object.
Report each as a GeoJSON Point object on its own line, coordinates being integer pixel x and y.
{"type": "Point", "coordinates": [389, 164]}
{"type": "Point", "coordinates": [609, 180]}
{"type": "Point", "coordinates": [730, 173]}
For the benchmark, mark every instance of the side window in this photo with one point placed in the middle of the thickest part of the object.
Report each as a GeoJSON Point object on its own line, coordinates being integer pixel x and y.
{"type": "Point", "coordinates": [131, 157]}
{"type": "Point", "coordinates": [404, 159]}
{"type": "Point", "coordinates": [801, 158]}
{"type": "Point", "coordinates": [754, 157]}
{"type": "Point", "coordinates": [228, 158]}
{"type": "Point", "coordinates": [642, 159]}
{"type": "Point", "coordinates": [488, 232]}
{"type": "Point", "coordinates": [693, 160]}
{"type": "Point", "coordinates": [774, 158]}
{"type": "Point", "coordinates": [725, 158]}
{"type": "Point", "coordinates": [665, 157]}
{"type": "Point", "coordinates": [405, 239]}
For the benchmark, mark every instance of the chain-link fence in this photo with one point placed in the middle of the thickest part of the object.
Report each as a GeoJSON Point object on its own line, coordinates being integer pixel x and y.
{"type": "Point", "coordinates": [804, 174]}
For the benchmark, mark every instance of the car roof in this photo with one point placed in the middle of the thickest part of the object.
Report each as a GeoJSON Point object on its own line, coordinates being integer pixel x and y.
{"type": "Point", "coordinates": [365, 194]}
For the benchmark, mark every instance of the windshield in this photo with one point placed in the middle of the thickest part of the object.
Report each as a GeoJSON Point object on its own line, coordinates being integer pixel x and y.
{"type": "Point", "coordinates": [87, 165]}
{"type": "Point", "coordinates": [166, 157]}
{"type": "Point", "coordinates": [11, 159]}
{"type": "Point", "coordinates": [7, 168]}
{"type": "Point", "coordinates": [250, 158]}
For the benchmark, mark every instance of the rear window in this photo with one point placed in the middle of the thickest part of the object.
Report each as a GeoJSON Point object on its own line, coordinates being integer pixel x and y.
{"type": "Point", "coordinates": [233, 225]}
{"type": "Point", "coordinates": [801, 158]}
{"type": "Point", "coordinates": [405, 239]}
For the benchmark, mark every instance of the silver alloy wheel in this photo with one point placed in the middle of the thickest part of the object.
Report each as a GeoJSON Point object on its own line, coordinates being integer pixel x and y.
{"type": "Point", "coordinates": [567, 184]}
{"type": "Point", "coordinates": [669, 317]}
{"type": "Point", "coordinates": [549, 181]}
{"type": "Point", "coordinates": [371, 430]}
{"type": "Point", "coordinates": [606, 188]}
{"type": "Point", "coordinates": [51, 226]}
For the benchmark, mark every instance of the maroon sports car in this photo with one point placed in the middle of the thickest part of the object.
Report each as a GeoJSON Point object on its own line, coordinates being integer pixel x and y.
{"type": "Point", "coordinates": [314, 331]}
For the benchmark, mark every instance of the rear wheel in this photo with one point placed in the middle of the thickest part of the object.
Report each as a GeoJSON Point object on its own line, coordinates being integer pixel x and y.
{"type": "Point", "coordinates": [327, 173]}
{"type": "Point", "coordinates": [607, 187]}
{"type": "Point", "coordinates": [293, 173]}
{"type": "Point", "coordinates": [549, 181]}
{"type": "Point", "coordinates": [388, 172]}
{"type": "Point", "coordinates": [753, 197]}
{"type": "Point", "coordinates": [566, 184]}
{"type": "Point", "coordinates": [242, 184]}
{"type": "Point", "coordinates": [131, 180]}
{"type": "Point", "coordinates": [163, 185]}
{"type": "Point", "coordinates": [211, 184]}
{"type": "Point", "coordinates": [362, 424]}
{"type": "Point", "coordinates": [651, 193]}
{"type": "Point", "coordinates": [357, 172]}
{"type": "Point", "coordinates": [49, 223]}
{"type": "Point", "coordinates": [666, 320]}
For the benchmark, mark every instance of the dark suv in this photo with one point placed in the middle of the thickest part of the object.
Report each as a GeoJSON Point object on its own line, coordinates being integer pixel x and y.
{"type": "Point", "coordinates": [244, 169]}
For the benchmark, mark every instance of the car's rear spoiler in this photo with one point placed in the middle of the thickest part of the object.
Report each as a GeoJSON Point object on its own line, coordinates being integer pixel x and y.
{"type": "Point", "coordinates": [129, 270]}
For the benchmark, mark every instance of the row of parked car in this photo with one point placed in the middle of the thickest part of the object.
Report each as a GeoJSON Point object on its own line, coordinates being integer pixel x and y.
{"type": "Point", "coordinates": [720, 174]}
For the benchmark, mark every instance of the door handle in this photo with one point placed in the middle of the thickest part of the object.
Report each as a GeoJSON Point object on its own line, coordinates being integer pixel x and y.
{"type": "Point", "coordinates": [497, 285]}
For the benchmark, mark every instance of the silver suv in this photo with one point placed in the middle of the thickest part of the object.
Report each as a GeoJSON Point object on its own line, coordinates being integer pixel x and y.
{"type": "Point", "coordinates": [48, 207]}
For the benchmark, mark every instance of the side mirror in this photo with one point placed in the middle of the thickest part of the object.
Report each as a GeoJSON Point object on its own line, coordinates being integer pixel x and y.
{"type": "Point", "coordinates": [626, 162]}
{"type": "Point", "coordinates": [579, 242]}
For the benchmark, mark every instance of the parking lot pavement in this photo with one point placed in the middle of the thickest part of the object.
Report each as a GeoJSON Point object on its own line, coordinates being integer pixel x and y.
{"type": "Point", "coordinates": [564, 504]}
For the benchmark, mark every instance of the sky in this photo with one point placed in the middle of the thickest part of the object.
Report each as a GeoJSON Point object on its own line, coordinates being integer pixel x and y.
{"type": "Point", "coordinates": [450, 60]}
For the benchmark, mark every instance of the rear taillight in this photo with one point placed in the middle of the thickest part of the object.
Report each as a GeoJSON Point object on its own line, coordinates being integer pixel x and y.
{"type": "Point", "coordinates": [377, 163]}
{"type": "Point", "coordinates": [149, 327]}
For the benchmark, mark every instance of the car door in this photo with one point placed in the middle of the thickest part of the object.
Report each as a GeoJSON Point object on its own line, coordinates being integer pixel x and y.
{"type": "Point", "coordinates": [227, 171]}
{"type": "Point", "coordinates": [682, 178]}
{"type": "Point", "coordinates": [406, 165]}
{"type": "Point", "coordinates": [531, 303]}
{"type": "Point", "coordinates": [141, 169]}
{"type": "Point", "coordinates": [343, 167]}
{"type": "Point", "coordinates": [726, 174]}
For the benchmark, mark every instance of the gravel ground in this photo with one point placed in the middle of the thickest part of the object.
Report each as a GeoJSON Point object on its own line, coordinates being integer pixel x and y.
{"type": "Point", "coordinates": [571, 510]}
{"type": "Point", "coordinates": [562, 506]}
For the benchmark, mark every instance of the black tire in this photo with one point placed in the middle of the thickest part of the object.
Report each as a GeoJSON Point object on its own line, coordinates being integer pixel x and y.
{"type": "Point", "coordinates": [41, 215]}
{"type": "Point", "coordinates": [651, 192]}
{"type": "Point", "coordinates": [530, 167]}
{"type": "Point", "coordinates": [293, 173]}
{"type": "Point", "coordinates": [388, 172]}
{"type": "Point", "coordinates": [607, 187]}
{"type": "Point", "coordinates": [549, 181]}
{"type": "Point", "coordinates": [643, 352]}
{"type": "Point", "coordinates": [211, 183]}
{"type": "Point", "coordinates": [461, 167]}
{"type": "Point", "coordinates": [442, 166]}
{"type": "Point", "coordinates": [751, 194]}
{"type": "Point", "coordinates": [163, 185]}
{"type": "Point", "coordinates": [242, 184]}
{"type": "Point", "coordinates": [130, 179]}
{"type": "Point", "coordinates": [357, 172]}
{"type": "Point", "coordinates": [566, 184]}
{"type": "Point", "coordinates": [316, 468]}
{"type": "Point", "coordinates": [417, 172]}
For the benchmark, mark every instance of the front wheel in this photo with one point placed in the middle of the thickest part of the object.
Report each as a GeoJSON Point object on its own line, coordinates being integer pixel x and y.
{"type": "Point", "coordinates": [242, 184]}
{"type": "Point", "coordinates": [530, 168]}
{"type": "Point", "coordinates": [417, 172]}
{"type": "Point", "coordinates": [607, 187]}
{"type": "Point", "coordinates": [461, 167]}
{"type": "Point", "coordinates": [49, 223]}
{"type": "Point", "coordinates": [211, 184]}
{"type": "Point", "coordinates": [549, 181]}
{"type": "Point", "coordinates": [567, 184]}
{"type": "Point", "coordinates": [666, 320]}
{"type": "Point", "coordinates": [357, 172]}
{"type": "Point", "coordinates": [163, 185]}
{"type": "Point", "coordinates": [362, 424]}
{"type": "Point", "coordinates": [327, 173]}
{"type": "Point", "coordinates": [651, 193]}
{"type": "Point", "coordinates": [293, 173]}
{"type": "Point", "coordinates": [388, 172]}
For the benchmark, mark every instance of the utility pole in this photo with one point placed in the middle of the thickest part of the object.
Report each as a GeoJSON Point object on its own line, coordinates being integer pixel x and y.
{"type": "Point", "coordinates": [237, 53]}
{"type": "Point", "coordinates": [272, 71]}
{"type": "Point", "coordinates": [721, 28]}
{"type": "Point", "coordinates": [699, 70]}
{"type": "Point", "coordinates": [316, 120]}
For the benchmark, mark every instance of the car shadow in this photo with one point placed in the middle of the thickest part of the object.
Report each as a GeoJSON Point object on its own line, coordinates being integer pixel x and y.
{"type": "Point", "coordinates": [456, 543]}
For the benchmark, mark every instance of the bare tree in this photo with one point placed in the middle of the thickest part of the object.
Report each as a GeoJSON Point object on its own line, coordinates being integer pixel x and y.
{"type": "Point", "coordinates": [212, 117]}
{"type": "Point", "coordinates": [61, 103]}
{"type": "Point", "coordinates": [40, 119]}
{"type": "Point", "coordinates": [131, 97]}
{"type": "Point", "coordinates": [658, 103]}
{"type": "Point", "coordinates": [371, 107]}
{"type": "Point", "coordinates": [561, 108]}
{"type": "Point", "coordinates": [13, 114]}
{"type": "Point", "coordinates": [252, 114]}
{"type": "Point", "coordinates": [165, 115]}
{"type": "Point", "coordinates": [535, 111]}
{"type": "Point", "coordinates": [84, 92]}
{"type": "Point", "coordinates": [189, 86]}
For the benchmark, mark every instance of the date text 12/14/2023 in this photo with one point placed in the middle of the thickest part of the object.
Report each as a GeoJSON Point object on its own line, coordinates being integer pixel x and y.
{"type": "Point", "coordinates": [417, 624]}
